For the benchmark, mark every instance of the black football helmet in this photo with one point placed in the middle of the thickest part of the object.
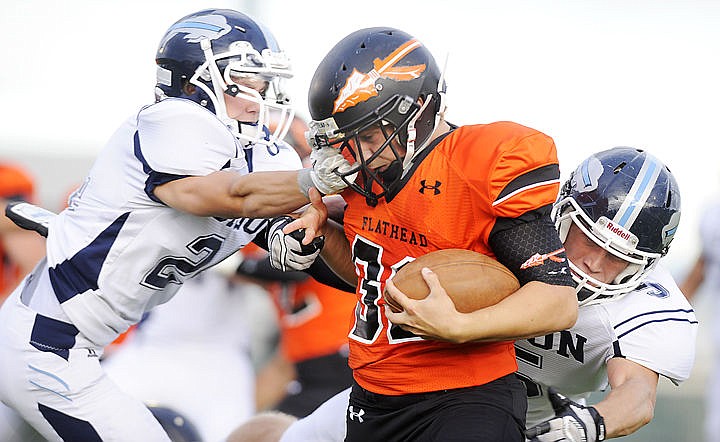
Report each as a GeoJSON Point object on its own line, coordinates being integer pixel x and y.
{"type": "Point", "coordinates": [628, 203]}
{"type": "Point", "coordinates": [211, 47]}
{"type": "Point", "coordinates": [383, 77]}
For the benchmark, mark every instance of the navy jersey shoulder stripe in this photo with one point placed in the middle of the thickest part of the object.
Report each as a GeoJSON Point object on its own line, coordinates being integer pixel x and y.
{"type": "Point", "coordinates": [80, 273]}
{"type": "Point", "coordinates": [654, 321]}
{"type": "Point", "coordinates": [654, 312]}
{"type": "Point", "coordinates": [635, 322]}
{"type": "Point", "coordinates": [154, 178]}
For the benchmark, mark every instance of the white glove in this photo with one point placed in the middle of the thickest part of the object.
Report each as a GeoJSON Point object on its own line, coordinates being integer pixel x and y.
{"type": "Point", "coordinates": [328, 163]}
{"type": "Point", "coordinates": [287, 251]}
{"type": "Point", "coordinates": [572, 422]}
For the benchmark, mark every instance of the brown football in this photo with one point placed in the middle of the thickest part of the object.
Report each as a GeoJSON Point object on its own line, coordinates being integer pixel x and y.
{"type": "Point", "coordinates": [472, 280]}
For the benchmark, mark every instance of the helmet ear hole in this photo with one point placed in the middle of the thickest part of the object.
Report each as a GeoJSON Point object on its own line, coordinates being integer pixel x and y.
{"type": "Point", "coordinates": [188, 88]}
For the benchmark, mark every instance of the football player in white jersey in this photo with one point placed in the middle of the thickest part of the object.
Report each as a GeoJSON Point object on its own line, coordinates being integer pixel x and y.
{"type": "Point", "coordinates": [617, 215]}
{"type": "Point", "coordinates": [168, 197]}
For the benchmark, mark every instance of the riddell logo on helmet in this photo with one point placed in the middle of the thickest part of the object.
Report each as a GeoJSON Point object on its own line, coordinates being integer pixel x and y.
{"type": "Point", "coordinates": [619, 231]}
{"type": "Point", "coordinates": [361, 87]}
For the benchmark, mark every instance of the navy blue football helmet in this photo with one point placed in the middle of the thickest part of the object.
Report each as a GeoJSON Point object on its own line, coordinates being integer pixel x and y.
{"type": "Point", "coordinates": [628, 203]}
{"type": "Point", "coordinates": [383, 77]}
{"type": "Point", "coordinates": [209, 49]}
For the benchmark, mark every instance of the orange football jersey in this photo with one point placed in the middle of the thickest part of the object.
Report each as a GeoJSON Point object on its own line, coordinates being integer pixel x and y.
{"type": "Point", "coordinates": [452, 199]}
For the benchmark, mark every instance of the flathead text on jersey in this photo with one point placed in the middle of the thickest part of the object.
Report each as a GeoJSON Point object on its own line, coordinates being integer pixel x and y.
{"type": "Point", "coordinates": [394, 231]}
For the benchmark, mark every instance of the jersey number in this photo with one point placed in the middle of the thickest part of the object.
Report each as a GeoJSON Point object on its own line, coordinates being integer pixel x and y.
{"type": "Point", "coordinates": [169, 268]}
{"type": "Point", "coordinates": [368, 323]}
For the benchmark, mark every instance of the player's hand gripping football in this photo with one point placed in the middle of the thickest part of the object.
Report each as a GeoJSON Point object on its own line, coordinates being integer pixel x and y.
{"type": "Point", "coordinates": [295, 243]}
{"type": "Point", "coordinates": [572, 422]}
{"type": "Point", "coordinates": [434, 317]}
{"type": "Point", "coordinates": [328, 165]}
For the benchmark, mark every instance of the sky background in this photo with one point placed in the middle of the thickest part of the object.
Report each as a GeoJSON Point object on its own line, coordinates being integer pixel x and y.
{"type": "Point", "coordinates": [591, 74]}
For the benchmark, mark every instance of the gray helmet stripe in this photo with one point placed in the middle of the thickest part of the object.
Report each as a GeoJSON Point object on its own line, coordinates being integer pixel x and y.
{"type": "Point", "coordinates": [638, 194]}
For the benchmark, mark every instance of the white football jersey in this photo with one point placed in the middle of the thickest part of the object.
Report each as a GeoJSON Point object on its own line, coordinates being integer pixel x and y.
{"type": "Point", "coordinates": [654, 326]}
{"type": "Point", "coordinates": [117, 251]}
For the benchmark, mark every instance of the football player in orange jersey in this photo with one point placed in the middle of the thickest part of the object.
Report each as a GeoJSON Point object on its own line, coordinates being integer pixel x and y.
{"type": "Point", "coordinates": [419, 184]}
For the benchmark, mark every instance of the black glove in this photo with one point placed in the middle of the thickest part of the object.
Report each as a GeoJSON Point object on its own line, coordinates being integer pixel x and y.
{"type": "Point", "coordinates": [572, 422]}
{"type": "Point", "coordinates": [287, 252]}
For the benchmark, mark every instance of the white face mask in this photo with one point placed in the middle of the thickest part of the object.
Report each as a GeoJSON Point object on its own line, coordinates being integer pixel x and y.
{"type": "Point", "coordinates": [247, 74]}
{"type": "Point", "coordinates": [621, 244]}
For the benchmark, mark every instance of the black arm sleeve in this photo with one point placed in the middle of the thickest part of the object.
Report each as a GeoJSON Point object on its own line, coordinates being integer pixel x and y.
{"type": "Point", "coordinates": [261, 238]}
{"type": "Point", "coordinates": [262, 269]}
{"type": "Point", "coordinates": [325, 275]}
{"type": "Point", "coordinates": [321, 272]}
{"type": "Point", "coordinates": [529, 247]}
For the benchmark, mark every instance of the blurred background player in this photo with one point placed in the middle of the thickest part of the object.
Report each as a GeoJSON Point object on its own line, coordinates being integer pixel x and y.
{"type": "Point", "coordinates": [310, 364]}
{"type": "Point", "coordinates": [704, 277]}
{"type": "Point", "coordinates": [177, 426]}
{"type": "Point", "coordinates": [267, 426]}
{"type": "Point", "coordinates": [20, 250]}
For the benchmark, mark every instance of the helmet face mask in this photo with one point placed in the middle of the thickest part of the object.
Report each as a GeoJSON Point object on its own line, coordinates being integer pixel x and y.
{"type": "Point", "coordinates": [349, 139]}
{"type": "Point", "coordinates": [376, 77]}
{"type": "Point", "coordinates": [209, 50]}
{"type": "Point", "coordinates": [628, 203]}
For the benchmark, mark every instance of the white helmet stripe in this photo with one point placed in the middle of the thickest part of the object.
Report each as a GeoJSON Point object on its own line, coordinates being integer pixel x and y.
{"type": "Point", "coordinates": [638, 194]}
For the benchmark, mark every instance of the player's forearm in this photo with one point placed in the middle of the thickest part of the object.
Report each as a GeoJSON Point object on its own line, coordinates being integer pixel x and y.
{"type": "Point", "coordinates": [536, 309]}
{"type": "Point", "coordinates": [265, 194]}
{"type": "Point", "coordinates": [228, 194]}
{"type": "Point", "coordinates": [626, 409]}
{"type": "Point", "coordinates": [631, 401]}
{"type": "Point", "coordinates": [337, 254]}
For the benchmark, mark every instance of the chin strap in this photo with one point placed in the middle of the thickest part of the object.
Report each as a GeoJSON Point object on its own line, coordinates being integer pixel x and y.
{"type": "Point", "coordinates": [412, 134]}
